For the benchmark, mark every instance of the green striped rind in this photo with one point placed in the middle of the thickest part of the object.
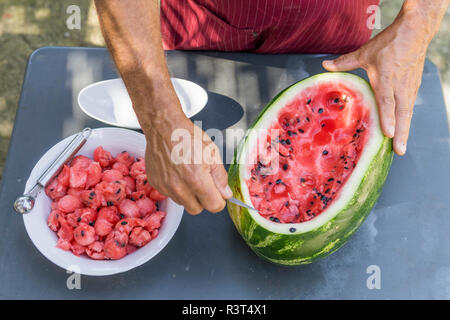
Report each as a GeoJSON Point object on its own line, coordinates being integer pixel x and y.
{"type": "Point", "coordinates": [306, 247]}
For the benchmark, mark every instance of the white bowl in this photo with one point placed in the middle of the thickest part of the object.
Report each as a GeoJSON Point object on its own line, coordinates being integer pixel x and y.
{"type": "Point", "coordinates": [108, 101]}
{"type": "Point", "coordinates": [114, 140]}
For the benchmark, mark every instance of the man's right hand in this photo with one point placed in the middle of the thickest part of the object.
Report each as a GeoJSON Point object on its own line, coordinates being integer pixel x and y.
{"type": "Point", "coordinates": [197, 181]}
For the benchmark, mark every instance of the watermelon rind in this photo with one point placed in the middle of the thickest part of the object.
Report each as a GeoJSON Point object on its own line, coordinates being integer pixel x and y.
{"type": "Point", "coordinates": [324, 234]}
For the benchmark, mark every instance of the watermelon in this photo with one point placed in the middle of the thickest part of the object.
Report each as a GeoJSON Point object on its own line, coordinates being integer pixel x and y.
{"type": "Point", "coordinates": [312, 165]}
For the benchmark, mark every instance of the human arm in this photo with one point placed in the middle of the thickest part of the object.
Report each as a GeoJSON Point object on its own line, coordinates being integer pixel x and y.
{"type": "Point", "coordinates": [132, 33]}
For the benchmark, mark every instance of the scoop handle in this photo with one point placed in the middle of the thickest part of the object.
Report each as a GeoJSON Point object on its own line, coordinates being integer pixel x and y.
{"type": "Point", "coordinates": [64, 157]}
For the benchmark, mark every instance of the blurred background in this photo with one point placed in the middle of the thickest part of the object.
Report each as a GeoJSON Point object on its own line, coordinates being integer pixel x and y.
{"type": "Point", "coordinates": [26, 25]}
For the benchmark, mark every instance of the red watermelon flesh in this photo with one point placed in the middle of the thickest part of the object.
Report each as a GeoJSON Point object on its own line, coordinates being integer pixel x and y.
{"type": "Point", "coordinates": [321, 137]}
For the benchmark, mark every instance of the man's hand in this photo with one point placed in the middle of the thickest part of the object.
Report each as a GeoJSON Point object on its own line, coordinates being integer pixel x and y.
{"type": "Point", "coordinates": [196, 183]}
{"type": "Point", "coordinates": [394, 62]}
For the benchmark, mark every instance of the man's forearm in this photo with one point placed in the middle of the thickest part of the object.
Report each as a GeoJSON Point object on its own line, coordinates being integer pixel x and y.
{"type": "Point", "coordinates": [425, 15]}
{"type": "Point", "coordinates": [132, 33]}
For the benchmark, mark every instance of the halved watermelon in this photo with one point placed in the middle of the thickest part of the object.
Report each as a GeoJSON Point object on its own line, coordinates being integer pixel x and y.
{"type": "Point", "coordinates": [313, 167]}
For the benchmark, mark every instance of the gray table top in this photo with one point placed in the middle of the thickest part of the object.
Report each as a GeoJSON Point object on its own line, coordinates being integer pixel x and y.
{"type": "Point", "coordinates": [407, 235]}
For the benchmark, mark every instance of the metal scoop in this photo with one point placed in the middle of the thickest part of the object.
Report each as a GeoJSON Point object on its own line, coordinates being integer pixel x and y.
{"type": "Point", "coordinates": [241, 204]}
{"type": "Point", "coordinates": [25, 203]}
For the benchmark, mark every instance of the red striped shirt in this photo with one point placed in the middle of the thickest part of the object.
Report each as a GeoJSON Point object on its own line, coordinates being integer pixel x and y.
{"type": "Point", "coordinates": [308, 26]}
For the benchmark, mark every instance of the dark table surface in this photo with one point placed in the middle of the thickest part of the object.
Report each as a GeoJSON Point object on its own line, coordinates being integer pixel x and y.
{"type": "Point", "coordinates": [407, 235]}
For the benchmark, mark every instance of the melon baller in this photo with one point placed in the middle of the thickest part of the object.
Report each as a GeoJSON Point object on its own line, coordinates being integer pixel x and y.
{"type": "Point", "coordinates": [25, 203]}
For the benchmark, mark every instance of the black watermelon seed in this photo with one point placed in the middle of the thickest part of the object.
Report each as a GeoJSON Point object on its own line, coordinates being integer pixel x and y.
{"type": "Point", "coordinates": [336, 100]}
{"type": "Point", "coordinates": [91, 223]}
{"type": "Point", "coordinates": [288, 141]}
{"type": "Point", "coordinates": [301, 130]}
{"type": "Point", "coordinates": [79, 219]}
{"type": "Point", "coordinates": [328, 190]}
{"type": "Point", "coordinates": [132, 199]}
{"type": "Point", "coordinates": [278, 181]}
{"type": "Point", "coordinates": [82, 233]}
{"type": "Point", "coordinates": [339, 181]}
{"type": "Point", "coordinates": [117, 181]}
{"type": "Point", "coordinates": [307, 119]}
{"type": "Point", "coordinates": [270, 183]}
{"type": "Point", "coordinates": [286, 203]}
{"type": "Point", "coordinates": [292, 229]}
{"type": "Point", "coordinates": [302, 180]}
{"type": "Point", "coordinates": [109, 203]}
{"type": "Point", "coordinates": [283, 141]}
{"type": "Point", "coordinates": [121, 216]}
{"type": "Point", "coordinates": [331, 179]}
{"type": "Point", "coordinates": [123, 223]}
{"type": "Point", "coordinates": [145, 182]}
{"type": "Point", "coordinates": [325, 152]}
{"type": "Point", "coordinates": [141, 196]}
{"type": "Point", "coordinates": [308, 102]}
{"type": "Point", "coordinates": [118, 191]}
{"type": "Point", "coordinates": [320, 110]}
{"type": "Point", "coordinates": [274, 219]}
{"type": "Point", "coordinates": [92, 194]}
{"type": "Point", "coordinates": [285, 166]}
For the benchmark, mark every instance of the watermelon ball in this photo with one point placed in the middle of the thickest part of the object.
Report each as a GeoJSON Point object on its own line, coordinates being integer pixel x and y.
{"type": "Point", "coordinates": [94, 174]}
{"type": "Point", "coordinates": [139, 237]}
{"type": "Point", "coordinates": [69, 203]}
{"type": "Point", "coordinates": [104, 158]}
{"type": "Point", "coordinates": [115, 245]}
{"type": "Point", "coordinates": [137, 168]}
{"type": "Point", "coordinates": [112, 175]}
{"type": "Point", "coordinates": [81, 162]}
{"type": "Point", "coordinates": [146, 206]}
{"type": "Point", "coordinates": [84, 234]}
{"type": "Point", "coordinates": [122, 168]}
{"type": "Point", "coordinates": [124, 158]}
{"type": "Point", "coordinates": [129, 209]}
{"type": "Point", "coordinates": [95, 250]}
{"type": "Point", "coordinates": [55, 190]}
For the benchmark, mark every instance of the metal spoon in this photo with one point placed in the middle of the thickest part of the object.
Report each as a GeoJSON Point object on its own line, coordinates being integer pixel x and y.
{"type": "Point", "coordinates": [25, 203]}
{"type": "Point", "coordinates": [241, 204]}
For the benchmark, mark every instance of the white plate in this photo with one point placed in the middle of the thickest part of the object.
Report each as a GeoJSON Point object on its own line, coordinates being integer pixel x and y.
{"type": "Point", "coordinates": [108, 101]}
{"type": "Point", "coordinates": [114, 140]}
